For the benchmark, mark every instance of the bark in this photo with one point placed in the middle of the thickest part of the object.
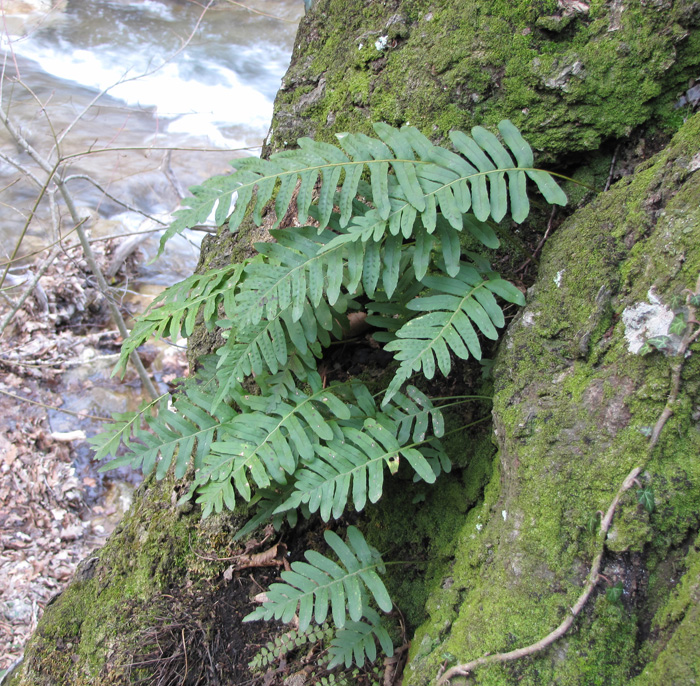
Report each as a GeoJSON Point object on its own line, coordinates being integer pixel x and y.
{"type": "Point", "coordinates": [505, 536]}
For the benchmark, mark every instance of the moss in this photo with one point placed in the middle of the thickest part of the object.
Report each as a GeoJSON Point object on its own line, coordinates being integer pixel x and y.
{"type": "Point", "coordinates": [94, 629]}
{"type": "Point", "coordinates": [572, 410]}
{"type": "Point", "coordinates": [569, 82]}
{"type": "Point", "coordinates": [672, 648]}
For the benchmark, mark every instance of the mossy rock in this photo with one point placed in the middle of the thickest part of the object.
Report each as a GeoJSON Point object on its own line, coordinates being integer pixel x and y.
{"type": "Point", "coordinates": [569, 77]}
{"type": "Point", "coordinates": [572, 413]}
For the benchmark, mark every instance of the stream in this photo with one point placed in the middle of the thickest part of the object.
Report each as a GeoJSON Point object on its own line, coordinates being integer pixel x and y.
{"type": "Point", "coordinates": [160, 95]}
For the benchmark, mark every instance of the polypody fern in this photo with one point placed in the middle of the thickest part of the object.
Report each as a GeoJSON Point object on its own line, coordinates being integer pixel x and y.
{"type": "Point", "coordinates": [259, 423]}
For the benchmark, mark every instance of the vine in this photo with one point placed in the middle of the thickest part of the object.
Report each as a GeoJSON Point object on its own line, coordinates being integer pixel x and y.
{"type": "Point", "coordinates": [258, 423]}
{"type": "Point", "coordinates": [687, 327]}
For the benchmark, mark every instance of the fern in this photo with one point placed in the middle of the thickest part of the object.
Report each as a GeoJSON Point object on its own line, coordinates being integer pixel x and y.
{"type": "Point", "coordinates": [288, 642]}
{"type": "Point", "coordinates": [353, 465]}
{"type": "Point", "coordinates": [426, 178]}
{"type": "Point", "coordinates": [314, 587]}
{"type": "Point", "coordinates": [453, 307]}
{"type": "Point", "coordinates": [355, 643]}
{"type": "Point", "coordinates": [173, 313]}
{"type": "Point", "coordinates": [257, 425]}
{"type": "Point", "coordinates": [178, 429]}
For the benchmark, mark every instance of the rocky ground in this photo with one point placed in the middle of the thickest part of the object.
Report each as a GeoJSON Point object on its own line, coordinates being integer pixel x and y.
{"type": "Point", "coordinates": [55, 508]}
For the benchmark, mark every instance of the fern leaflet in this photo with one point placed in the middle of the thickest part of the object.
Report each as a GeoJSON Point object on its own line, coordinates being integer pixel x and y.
{"type": "Point", "coordinates": [173, 313]}
{"type": "Point", "coordinates": [453, 307]}
{"type": "Point", "coordinates": [355, 642]}
{"type": "Point", "coordinates": [312, 586]}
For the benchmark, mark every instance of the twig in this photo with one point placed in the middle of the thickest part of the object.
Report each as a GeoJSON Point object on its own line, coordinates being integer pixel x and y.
{"type": "Point", "coordinates": [612, 169]}
{"type": "Point", "coordinates": [605, 523]}
{"type": "Point", "coordinates": [184, 648]}
{"type": "Point", "coordinates": [104, 191]}
{"type": "Point", "coordinates": [82, 237]}
{"type": "Point", "coordinates": [540, 244]}
{"type": "Point", "coordinates": [54, 408]}
{"type": "Point", "coordinates": [260, 12]}
{"type": "Point", "coordinates": [29, 288]}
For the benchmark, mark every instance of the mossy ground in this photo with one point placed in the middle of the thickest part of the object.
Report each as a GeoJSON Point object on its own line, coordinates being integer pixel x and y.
{"type": "Point", "coordinates": [150, 604]}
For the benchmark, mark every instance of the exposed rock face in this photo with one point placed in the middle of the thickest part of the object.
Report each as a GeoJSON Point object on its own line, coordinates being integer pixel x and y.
{"type": "Point", "coordinates": [506, 536]}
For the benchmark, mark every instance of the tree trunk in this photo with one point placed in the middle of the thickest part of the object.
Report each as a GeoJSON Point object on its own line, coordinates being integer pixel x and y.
{"type": "Point", "coordinates": [508, 538]}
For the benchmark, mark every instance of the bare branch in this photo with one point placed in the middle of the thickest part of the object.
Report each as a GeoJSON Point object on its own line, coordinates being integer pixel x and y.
{"type": "Point", "coordinates": [29, 288]}
{"type": "Point", "coordinates": [102, 189]}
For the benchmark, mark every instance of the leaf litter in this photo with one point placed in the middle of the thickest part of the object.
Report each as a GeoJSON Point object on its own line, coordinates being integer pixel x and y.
{"type": "Point", "coordinates": [55, 508]}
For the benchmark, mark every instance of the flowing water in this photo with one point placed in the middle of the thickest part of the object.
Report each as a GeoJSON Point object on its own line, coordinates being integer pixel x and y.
{"type": "Point", "coordinates": [172, 77]}
{"type": "Point", "coordinates": [141, 99]}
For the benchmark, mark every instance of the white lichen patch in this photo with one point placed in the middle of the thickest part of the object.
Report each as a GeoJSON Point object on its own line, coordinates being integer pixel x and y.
{"type": "Point", "coordinates": [646, 320]}
{"type": "Point", "coordinates": [381, 42]}
{"type": "Point", "coordinates": [529, 317]}
{"type": "Point", "coordinates": [557, 278]}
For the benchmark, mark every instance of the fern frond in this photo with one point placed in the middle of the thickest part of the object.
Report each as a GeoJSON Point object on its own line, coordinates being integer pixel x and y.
{"type": "Point", "coordinates": [453, 307]}
{"type": "Point", "coordinates": [173, 313]}
{"type": "Point", "coordinates": [266, 443]}
{"type": "Point", "coordinates": [295, 271]}
{"type": "Point", "coordinates": [312, 586]}
{"type": "Point", "coordinates": [352, 464]}
{"type": "Point", "coordinates": [413, 413]}
{"type": "Point", "coordinates": [355, 642]}
{"type": "Point", "coordinates": [278, 344]}
{"type": "Point", "coordinates": [123, 428]}
{"type": "Point", "coordinates": [287, 642]}
{"type": "Point", "coordinates": [188, 424]}
{"type": "Point", "coordinates": [426, 177]}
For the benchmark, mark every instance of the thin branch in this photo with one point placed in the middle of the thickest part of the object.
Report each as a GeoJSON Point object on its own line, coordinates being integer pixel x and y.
{"type": "Point", "coordinates": [612, 168]}
{"type": "Point", "coordinates": [260, 12]}
{"type": "Point", "coordinates": [132, 148]}
{"type": "Point", "coordinates": [82, 237]}
{"type": "Point", "coordinates": [29, 289]}
{"type": "Point", "coordinates": [104, 289]}
{"type": "Point", "coordinates": [126, 205]}
{"type": "Point", "coordinates": [53, 407]}
{"type": "Point", "coordinates": [20, 168]}
{"type": "Point", "coordinates": [25, 228]}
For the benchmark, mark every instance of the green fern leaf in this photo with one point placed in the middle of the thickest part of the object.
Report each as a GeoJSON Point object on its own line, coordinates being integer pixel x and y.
{"type": "Point", "coordinates": [177, 430]}
{"type": "Point", "coordinates": [278, 344]}
{"type": "Point", "coordinates": [173, 313]}
{"type": "Point", "coordinates": [353, 465]}
{"type": "Point", "coordinates": [433, 178]}
{"type": "Point", "coordinates": [270, 438]}
{"type": "Point", "coordinates": [413, 414]}
{"type": "Point", "coordinates": [453, 307]}
{"type": "Point", "coordinates": [123, 428]}
{"type": "Point", "coordinates": [355, 643]}
{"type": "Point", "coordinates": [311, 587]}
{"type": "Point", "coordinates": [294, 272]}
